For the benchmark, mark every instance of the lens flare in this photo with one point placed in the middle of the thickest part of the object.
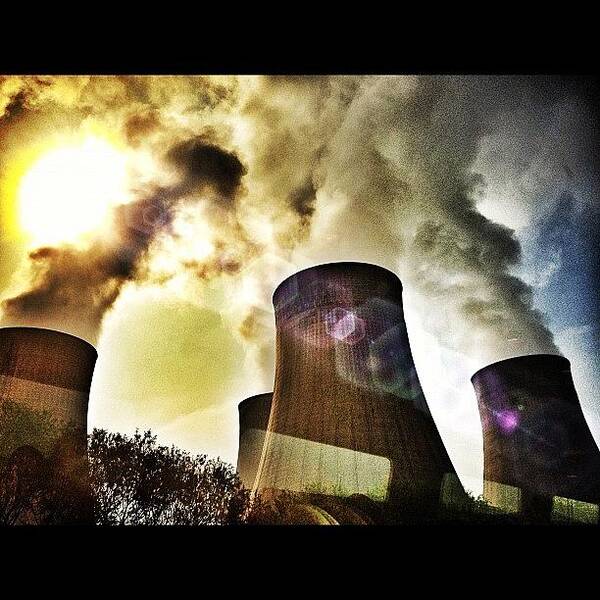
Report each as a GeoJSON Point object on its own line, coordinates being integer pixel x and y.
{"type": "Point", "coordinates": [508, 420]}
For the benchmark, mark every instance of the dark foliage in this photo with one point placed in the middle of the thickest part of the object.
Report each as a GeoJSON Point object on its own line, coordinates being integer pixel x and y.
{"type": "Point", "coordinates": [47, 477]}
{"type": "Point", "coordinates": [43, 470]}
{"type": "Point", "coordinates": [138, 482]}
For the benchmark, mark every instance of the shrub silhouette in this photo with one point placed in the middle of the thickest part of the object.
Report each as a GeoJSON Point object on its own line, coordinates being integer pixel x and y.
{"type": "Point", "coordinates": [48, 476]}
{"type": "Point", "coordinates": [43, 469]}
{"type": "Point", "coordinates": [135, 481]}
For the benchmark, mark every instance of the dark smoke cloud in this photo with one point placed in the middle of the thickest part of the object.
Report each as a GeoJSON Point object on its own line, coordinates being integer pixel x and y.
{"type": "Point", "coordinates": [302, 200]}
{"type": "Point", "coordinates": [18, 94]}
{"type": "Point", "coordinates": [16, 106]}
{"type": "Point", "coordinates": [72, 288]}
{"type": "Point", "coordinates": [202, 163]}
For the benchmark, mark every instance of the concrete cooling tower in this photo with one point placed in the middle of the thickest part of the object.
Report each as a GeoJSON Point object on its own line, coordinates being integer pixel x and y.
{"type": "Point", "coordinates": [254, 418]}
{"type": "Point", "coordinates": [348, 415]}
{"type": "Point", "coordinates": [538, 449]}
{"type": "Point", "coordinates": [45, 379]}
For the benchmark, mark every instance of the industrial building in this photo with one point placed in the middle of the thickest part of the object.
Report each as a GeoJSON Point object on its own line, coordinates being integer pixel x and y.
{"type": "Point", "coordinates": [254, 418]}
{"type": "Point", "coordinates": [538, 449]}
{"type": "Point", "coordinates": [45, 379]}
{"type": "Point", "coordinates": [348, 414]}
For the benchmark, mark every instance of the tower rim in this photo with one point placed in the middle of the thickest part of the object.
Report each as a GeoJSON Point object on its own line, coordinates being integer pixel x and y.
{"type": "Point", "coordinates": [50, 330]}
{"type": "Point", "coordinates": [246, 401]}
{"type": "Point", "coordinates": [547, 357]}
{"type": "Point", "coordinates": [333, 264]}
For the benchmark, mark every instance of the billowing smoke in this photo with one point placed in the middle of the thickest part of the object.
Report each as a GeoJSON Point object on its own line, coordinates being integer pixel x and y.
{"type": "Point", "coordinates": [292, 171]}
{"type": "Point", "coordinates": [383, 169]}
{"type": "Point", "coordinates": [402, 163]}
{"type": "Point", "coordinates": [71, 288]}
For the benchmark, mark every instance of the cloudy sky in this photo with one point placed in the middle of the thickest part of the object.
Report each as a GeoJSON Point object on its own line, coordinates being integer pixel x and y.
{"type": "Point", "coordinates": [154, 216]}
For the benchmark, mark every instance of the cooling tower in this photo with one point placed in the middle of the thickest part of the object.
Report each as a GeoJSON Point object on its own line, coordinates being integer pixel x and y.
{"type": "Point", "coordinates": [45, 379]}
{"type": "Point", "coordinates": [254, 418]}
{"type": "Point", "coordinates": [536, 442]}
{"type": "Point", "coordinates": [348, 415]}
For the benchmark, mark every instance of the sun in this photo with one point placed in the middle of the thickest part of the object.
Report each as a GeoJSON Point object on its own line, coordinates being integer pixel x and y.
{"type": "Point", "coordinates": [69, 191]}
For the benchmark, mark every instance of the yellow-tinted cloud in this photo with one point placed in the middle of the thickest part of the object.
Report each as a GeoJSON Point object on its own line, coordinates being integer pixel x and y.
{"type": "Point", "coordinates": [164, 358]}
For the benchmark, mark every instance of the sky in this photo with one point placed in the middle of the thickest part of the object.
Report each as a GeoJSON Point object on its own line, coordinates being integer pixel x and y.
{"type": "Point", "coordinates": [154, 216]}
